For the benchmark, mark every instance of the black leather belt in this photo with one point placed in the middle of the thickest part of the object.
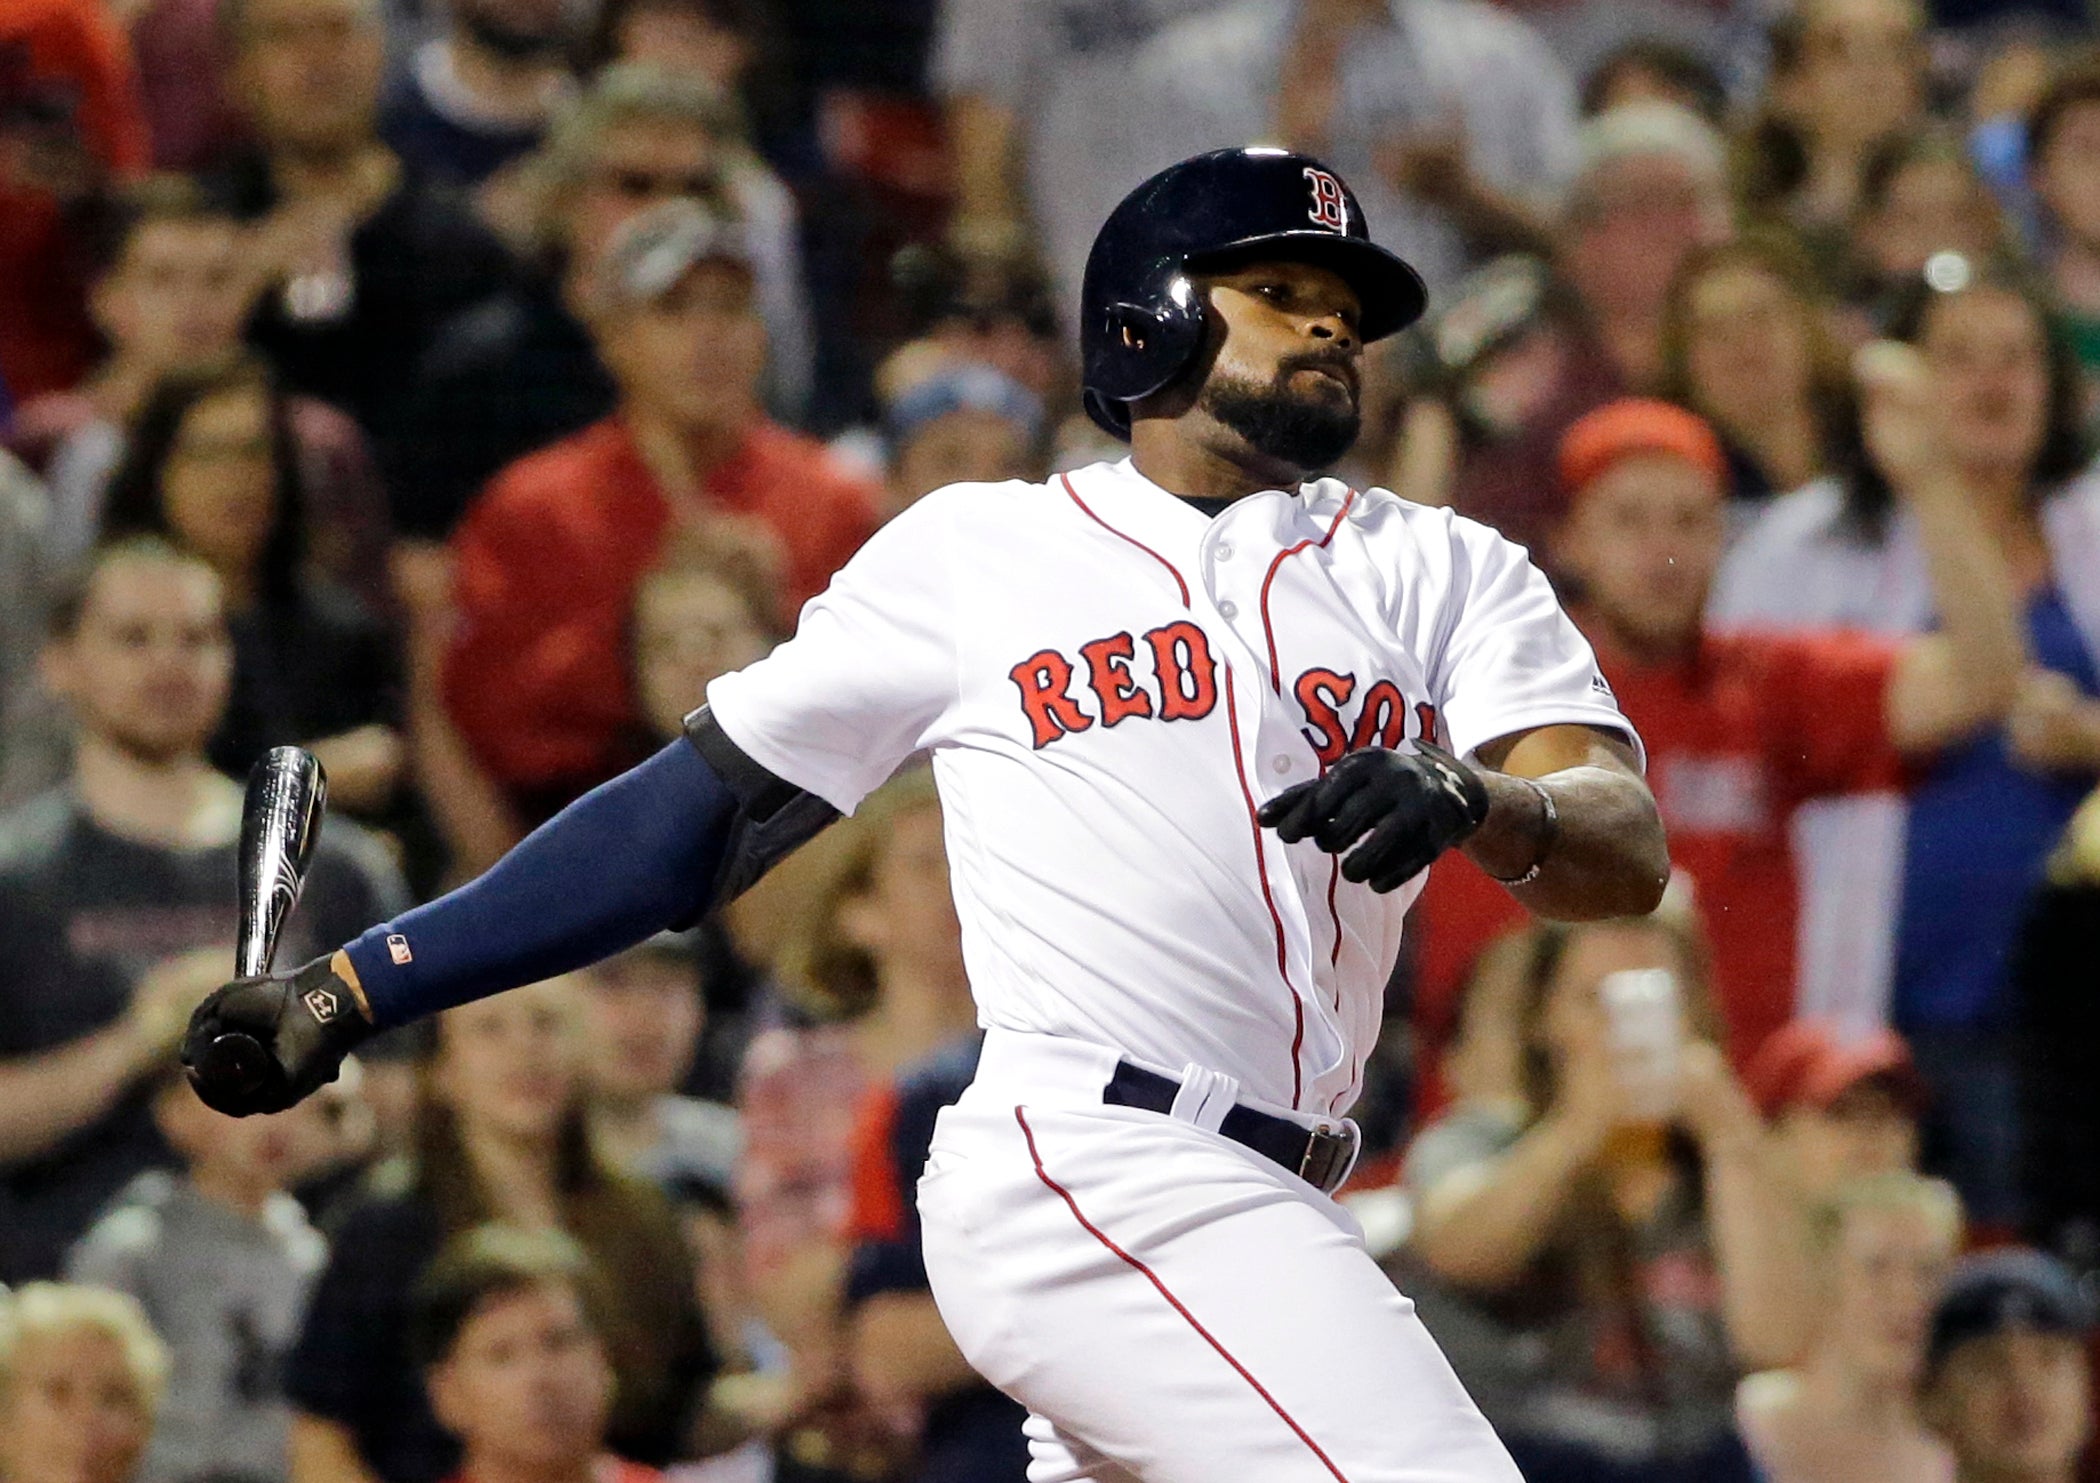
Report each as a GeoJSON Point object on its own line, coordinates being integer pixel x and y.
{"type": "Point", "coordinates": [1320, 1156]}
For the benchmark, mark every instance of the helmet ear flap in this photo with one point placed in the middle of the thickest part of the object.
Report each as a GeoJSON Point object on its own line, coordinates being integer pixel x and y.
{"type": "Point", "coordinates": [1132, 327]}
{"type": "Point", "coordinates": [1146, 345]}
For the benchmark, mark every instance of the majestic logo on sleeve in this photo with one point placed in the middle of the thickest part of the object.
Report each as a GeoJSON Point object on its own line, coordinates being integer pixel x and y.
{"type": "Point", "coordinates": [1330, 208]}
{"type": "Point", "coordinates": [1168, 675]}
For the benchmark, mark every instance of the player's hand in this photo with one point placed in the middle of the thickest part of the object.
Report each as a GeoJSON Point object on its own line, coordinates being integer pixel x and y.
{"type": "Point", "coordinates": [303, 1023]}
{"type": "Point", "coordinates": [1399, 811]}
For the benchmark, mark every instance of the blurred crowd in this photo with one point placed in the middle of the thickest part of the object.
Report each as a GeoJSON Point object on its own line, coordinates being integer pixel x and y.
{"type": "Point", "coordinates": [455, 387]}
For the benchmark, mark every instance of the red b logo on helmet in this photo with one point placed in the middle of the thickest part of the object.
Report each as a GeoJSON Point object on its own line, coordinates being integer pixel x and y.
{"type": "Point", "coordinates": [1330, 208]}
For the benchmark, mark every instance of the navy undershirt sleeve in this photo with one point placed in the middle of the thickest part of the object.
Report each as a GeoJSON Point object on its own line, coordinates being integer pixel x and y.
{"type": "Point", "coordinates": [619, 864]}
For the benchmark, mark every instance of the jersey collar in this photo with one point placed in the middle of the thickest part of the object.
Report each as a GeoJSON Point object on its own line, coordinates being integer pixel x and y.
{"type": "Point", "coordinates": [1119, 495]}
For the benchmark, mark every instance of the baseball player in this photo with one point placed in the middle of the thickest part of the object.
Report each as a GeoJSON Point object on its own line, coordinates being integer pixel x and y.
{"type": "Point", "coordinates": [1199, 722]}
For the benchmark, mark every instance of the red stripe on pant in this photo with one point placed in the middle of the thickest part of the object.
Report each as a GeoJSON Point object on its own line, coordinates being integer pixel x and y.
{"type": "Point", "coordinates": [1175, 1303]}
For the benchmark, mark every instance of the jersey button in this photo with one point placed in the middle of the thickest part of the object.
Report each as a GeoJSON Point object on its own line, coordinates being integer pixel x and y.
{"type": "Point", "coordinates": [1281, 764]}
{"type": "Point", "coordinates": [1228, 610]}
{"type": "Point", "coordinates": [1224, 551]}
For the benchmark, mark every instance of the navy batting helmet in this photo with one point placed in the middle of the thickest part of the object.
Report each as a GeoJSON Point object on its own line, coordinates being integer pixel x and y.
{"type": "Point", "coordinates": [1142, 319]}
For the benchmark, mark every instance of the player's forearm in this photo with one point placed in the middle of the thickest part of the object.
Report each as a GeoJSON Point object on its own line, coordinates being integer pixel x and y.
{"type": "Point", "coordinates": [625, 861]}
{"type": "Point", "coordinates": [1599, 849]}
{"type": "Point", "coordinates": [1983, 644]}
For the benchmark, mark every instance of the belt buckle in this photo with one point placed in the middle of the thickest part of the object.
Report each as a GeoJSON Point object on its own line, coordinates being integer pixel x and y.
{"type": "Point", "coordinates": [1330, 1155]}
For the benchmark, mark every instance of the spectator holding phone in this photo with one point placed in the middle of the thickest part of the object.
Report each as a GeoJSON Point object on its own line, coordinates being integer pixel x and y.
{"type": "Point", "coordinates": [1912, 905]}
{"type": "Point", "coordinates": [1607, 1250]}
{"type": "Point", "coordinates": [1848, 1412]}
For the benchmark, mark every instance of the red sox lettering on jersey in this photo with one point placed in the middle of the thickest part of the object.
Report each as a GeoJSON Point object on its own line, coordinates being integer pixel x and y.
{"type": "Point", "coordinates": [1110, 685]}
{"type": "Point", "coordinates": [1181, 685]}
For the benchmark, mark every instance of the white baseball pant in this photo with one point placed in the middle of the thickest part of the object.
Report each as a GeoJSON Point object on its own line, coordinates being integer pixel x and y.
{"type": "Point", "coordinates": [1170, 1306]}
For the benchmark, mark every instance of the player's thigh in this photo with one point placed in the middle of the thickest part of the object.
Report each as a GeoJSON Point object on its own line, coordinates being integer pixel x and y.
{"type": "Point", "coordinates": [1190, 1314]}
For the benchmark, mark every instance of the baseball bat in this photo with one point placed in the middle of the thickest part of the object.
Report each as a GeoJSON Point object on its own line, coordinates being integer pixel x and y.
{"type": "Point", "coordinates": [280, 825]}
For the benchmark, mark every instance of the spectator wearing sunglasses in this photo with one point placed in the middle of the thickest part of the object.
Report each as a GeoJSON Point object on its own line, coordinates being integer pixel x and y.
{"type": "Point", "coordinates": [549, 557]}
{"type": "Point", "coordinates": [520, 371]}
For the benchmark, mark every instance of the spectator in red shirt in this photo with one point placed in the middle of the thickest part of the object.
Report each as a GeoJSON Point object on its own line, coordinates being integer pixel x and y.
{"type": "Point", "coordinates": [515, 1360]}
{"type": "Point", "coordinates": [548, 558]}
{"type": "Point", "coordinates": [69, 119]}
{"type": "Point", "coordinates": [1741, 729]}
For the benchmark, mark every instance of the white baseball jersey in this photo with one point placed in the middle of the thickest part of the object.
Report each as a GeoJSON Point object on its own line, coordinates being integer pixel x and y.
{"type": "Point", "coordinates": [1111, 684]}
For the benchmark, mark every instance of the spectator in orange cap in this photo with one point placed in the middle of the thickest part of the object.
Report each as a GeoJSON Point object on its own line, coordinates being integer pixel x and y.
{"type": "Point", "coordinates": [1839, 1109]}
{"type": "Point", "coordinates": [1743, 728]}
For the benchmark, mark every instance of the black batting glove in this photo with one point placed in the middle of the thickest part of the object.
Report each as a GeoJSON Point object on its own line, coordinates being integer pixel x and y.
{"type": "Point", "coordinates": [1400, 811]}
{"type": "Point", "coordinates": [262, 1044]}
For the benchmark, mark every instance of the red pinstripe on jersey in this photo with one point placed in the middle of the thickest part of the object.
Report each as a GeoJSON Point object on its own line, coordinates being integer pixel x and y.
{"type": "Point", "coordinates": [1268, 629]}
{"type": "Point", "coordinates": [1172, 570]}
{"type": "Point", "coordinates": [1261, 866]}
{"type": "Point", "coordinates": [1173, 1302]}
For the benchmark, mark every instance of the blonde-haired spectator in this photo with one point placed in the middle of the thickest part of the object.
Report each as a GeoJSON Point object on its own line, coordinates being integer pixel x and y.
{"type": "Point", "coordinates": [1848, 1412]}
{"type": "Point", "coordinates": [81, 1378]}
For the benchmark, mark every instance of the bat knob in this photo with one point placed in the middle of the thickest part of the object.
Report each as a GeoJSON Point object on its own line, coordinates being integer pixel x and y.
{"type": "Point", "coordinates": [236, 1063]}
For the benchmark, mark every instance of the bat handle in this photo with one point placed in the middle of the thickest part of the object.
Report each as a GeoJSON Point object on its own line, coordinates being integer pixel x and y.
{"type": "Point", "coordinates": [236, 1062]}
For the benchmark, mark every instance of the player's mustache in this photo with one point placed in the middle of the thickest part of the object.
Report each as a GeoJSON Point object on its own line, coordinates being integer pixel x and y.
{"type": "Point", "coordinates": [1341, 361]}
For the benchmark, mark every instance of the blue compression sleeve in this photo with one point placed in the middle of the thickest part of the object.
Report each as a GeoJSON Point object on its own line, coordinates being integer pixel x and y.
{"type": "Point", "coordinates": [622, 862]}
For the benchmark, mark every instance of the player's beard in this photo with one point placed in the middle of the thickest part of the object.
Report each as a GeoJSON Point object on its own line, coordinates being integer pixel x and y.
{"type": "Point", "coordinates": [1307, 431]}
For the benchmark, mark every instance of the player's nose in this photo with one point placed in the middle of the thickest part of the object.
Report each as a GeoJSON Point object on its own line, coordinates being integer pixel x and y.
{"type": "Point", "coordinates": [1334, 328]}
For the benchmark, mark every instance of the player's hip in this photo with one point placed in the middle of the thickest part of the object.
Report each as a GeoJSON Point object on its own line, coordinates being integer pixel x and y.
{"type": "Point", "coordinates": [1048, 1118]}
